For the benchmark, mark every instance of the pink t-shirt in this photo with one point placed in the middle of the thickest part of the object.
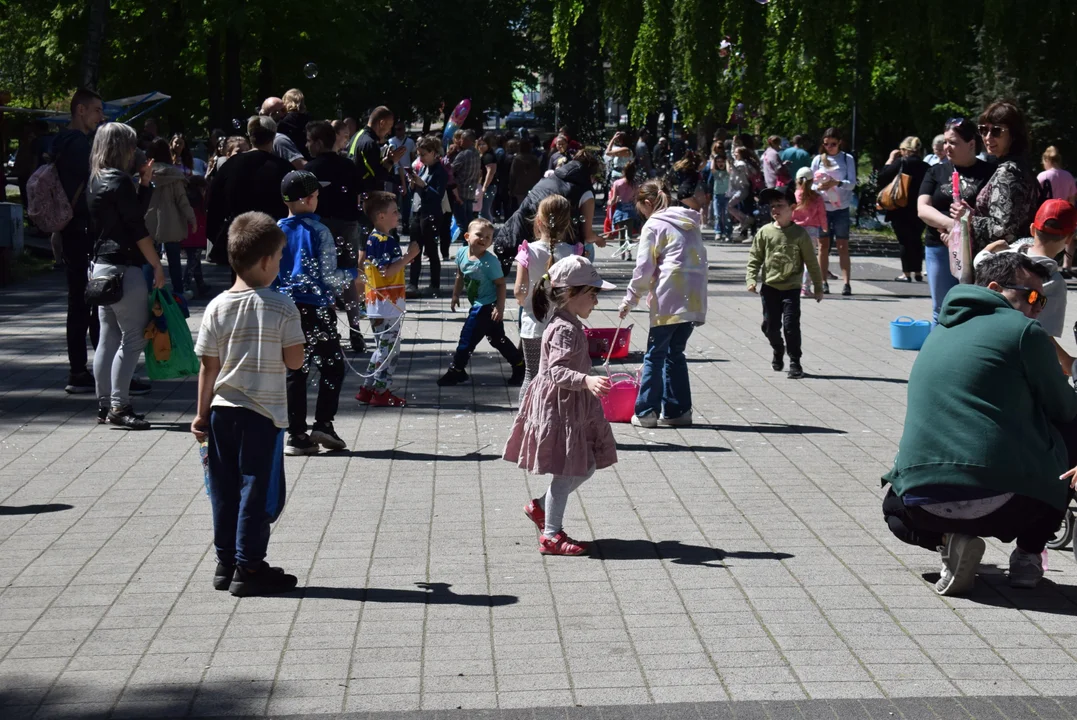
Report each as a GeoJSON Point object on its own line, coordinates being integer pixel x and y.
{"type": "Point", "coordinates": [812, 216]}
{"type": "Point", "coordinates": [623, 191]}
{"type": "Point", "coordinates": [1063, 186]}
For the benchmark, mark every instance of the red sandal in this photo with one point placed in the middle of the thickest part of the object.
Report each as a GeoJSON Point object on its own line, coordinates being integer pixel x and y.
{"type": "Point", "coordinates": [561, 544]}
{"type": "Point", "coordinates": [364, 395]}
{"type": "Point", "coordinates": [386, 399]}
{"type": "Point", "coordinates": [536, 514]}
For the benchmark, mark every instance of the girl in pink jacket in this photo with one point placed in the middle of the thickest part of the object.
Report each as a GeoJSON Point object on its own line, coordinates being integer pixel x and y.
{"type": "Point", "coordinates": [560, 429]}
{"type": "Point", "coordinates": [810, 214]}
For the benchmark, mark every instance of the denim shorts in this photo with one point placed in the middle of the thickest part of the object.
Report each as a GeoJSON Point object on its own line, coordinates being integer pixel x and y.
{"type": "Point", "coordinates": [837, 224]}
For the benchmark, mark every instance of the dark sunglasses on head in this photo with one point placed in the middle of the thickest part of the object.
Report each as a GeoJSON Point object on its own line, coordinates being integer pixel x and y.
{"type": "Point", "coordinates": [992, 130]}
{"type": "Point", "coordinates": [1034, 297]}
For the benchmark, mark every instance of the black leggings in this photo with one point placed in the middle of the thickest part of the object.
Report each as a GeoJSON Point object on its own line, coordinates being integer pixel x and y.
{"type": "Point", "coordinates": [909, 231]}
{"type": "Point", "coordinates": [424, 230]}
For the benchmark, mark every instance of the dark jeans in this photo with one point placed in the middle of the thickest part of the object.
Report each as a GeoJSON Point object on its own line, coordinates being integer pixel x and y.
{"type": "Point", "coordinates": [323, 354]}
{"type": "Point", "coordinates": [174, 254]}
{"type": "Point", "coordinates": [664, 384]}
{"type": "Point", "coordinates": [479, 325]}
{"type": "Point", "coordinates": [81, 317]}
{"type": "Point", "coordinates": [192, 274]}
{"type": "Point", "coordinates": [424, 230]}
{"type": "Point", "coordinates": [909, 231]}
{"type": "Point", "coordinates": [445, 233]}
{"type": "Point", "coordinates": [1031, 522]}
{"type": "Point", "coordinates": [245, 480]}
{"type": "Point", "coordinates": [348, 236]}
{"type": "Point", "coordinates": [781, 312]}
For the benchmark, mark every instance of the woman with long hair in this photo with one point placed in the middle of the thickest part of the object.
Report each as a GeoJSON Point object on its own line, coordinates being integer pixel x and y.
{"type": "Point", "coordinates": [907, 225]}
{"type": "Point", "coordinates": [835, 179]}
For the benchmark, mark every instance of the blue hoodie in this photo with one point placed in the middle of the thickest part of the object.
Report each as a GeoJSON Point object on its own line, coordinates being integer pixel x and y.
{"type": "Point", "coordinates": [308, 265]}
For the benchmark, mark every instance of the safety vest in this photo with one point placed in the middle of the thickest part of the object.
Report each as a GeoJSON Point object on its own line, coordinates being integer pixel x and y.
{"type": "Point", "coordinates": [351, 154]}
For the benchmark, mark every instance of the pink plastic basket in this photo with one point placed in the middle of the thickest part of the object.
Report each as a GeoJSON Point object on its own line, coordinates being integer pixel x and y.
{"type": "Point", "coordinates": [600, 340]}
{"type": "Point", "coordinates": [620, 404]}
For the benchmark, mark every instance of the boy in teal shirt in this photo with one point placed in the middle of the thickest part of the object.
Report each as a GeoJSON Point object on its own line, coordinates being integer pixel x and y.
{"type": "Point", "coordinates": [486, 291]}
{"type": "Point", "coordinates": [782, 249]}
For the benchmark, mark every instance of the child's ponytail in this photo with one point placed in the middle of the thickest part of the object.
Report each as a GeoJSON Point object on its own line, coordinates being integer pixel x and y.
{"type": "Point", "coordinates": [553, 221]}
{"type": "Point", "coordinates": [540, 303]}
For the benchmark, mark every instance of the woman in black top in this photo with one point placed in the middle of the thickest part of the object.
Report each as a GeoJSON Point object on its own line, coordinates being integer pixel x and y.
{"type": "Point", "coordinates": [906, 223]}
{"type": "Point", "coordinates": [122, 245]}
{"type": "Point", "coordinates": [488, 160]}
{"type": "Point", "coordinates": [936, 199]}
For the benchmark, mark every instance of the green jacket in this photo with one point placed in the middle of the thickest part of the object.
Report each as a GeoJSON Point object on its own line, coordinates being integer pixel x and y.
{"type": "Point", "coordinates": [782, 253]}
{"type": "Point", "coordinates": [983, 399]}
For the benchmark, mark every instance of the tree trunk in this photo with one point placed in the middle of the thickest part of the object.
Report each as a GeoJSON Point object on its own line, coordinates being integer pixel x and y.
{"type": "Point", "coordinates": [213, 80]}
{"type": "Point", "coordinates": [95, 38]}
{"type": "Point", "coordinates": [265, 79]}
{"type": "Point", "coordinates": [233, 90]}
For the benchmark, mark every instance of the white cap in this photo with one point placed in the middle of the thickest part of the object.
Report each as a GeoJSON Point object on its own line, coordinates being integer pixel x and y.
{"type": "Point", "coordinates": [804, 172]}
{"type": "Point", "coordinates": [576, 271]}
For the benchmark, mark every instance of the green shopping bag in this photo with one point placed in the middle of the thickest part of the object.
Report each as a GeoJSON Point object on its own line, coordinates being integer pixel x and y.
{"type": "Point", "coordinates": [165, 315]}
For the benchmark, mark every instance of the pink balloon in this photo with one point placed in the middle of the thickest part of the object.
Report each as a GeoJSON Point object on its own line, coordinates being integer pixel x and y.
{"type": "Point", "coordinates": [459, 113]}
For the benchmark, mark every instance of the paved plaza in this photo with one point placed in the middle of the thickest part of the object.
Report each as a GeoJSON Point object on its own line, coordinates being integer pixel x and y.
{"type": "Point", "coordinates": [742, 567]}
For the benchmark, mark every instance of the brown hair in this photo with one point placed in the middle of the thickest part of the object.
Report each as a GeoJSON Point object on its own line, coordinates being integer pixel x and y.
{"type": "Point", "coordinates": [478, 224]}
{"type": "Point", "coordinates": [690, 161]}
{"type": "Point", "coordinates": [1004, 112]}
{"type": "Point", "coordinates": [654, 192]}
{"type": "Point", "coordinates": [251, 237]}
{"type": "Point", "coordinates": [380, 113]}
{"type": "Point", "coordinates": [429, 143]}
{"type": "Point", "coordinates": [807, 195]}
{"type": "Point", "coordinates": [548, 298]}
{"type": "Point", "coordinates": [377, 202]}
{"type": "Point", "coordinates": [553, 222]}
{"type": "Point", "coordinates": [322, 132]}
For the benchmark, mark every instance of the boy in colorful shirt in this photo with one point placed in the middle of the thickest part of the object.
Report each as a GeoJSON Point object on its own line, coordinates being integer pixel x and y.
{"type": "Point", "coordinates": [310, 276]}
{"type": "Point", "coordinates": [383, 268]}
{"type": "Point", "coordinates": [486, 292]}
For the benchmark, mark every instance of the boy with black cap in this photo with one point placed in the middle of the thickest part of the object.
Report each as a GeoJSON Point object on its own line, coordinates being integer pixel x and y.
{"type": "Point", "coordinates": [309, 274]}
{"type": "Point", "coordinates": [781, 249]}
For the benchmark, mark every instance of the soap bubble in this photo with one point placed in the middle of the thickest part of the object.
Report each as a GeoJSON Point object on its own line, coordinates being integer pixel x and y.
{"type": "Point", "coordinates": [310, 70]}
{"type": "Point", "coordinates": [236, 123]}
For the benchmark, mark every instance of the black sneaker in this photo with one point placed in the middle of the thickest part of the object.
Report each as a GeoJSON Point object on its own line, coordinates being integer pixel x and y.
{"type": "Point", "coordinates": [80, 383]}
{"type": "Point", "coordinates": [139, 388]}
{"type": "Point", "coordinates": [452, 377]}
{"type": "Point", "coordinates": [517, 378]}
{"type": "Point", "coordinates": [222, 576]}
{"type": "Point", "coordinates": [358, 343]}
{"type": "Point", "coordinates": [826, 288]}
{"type": "Point", "coordinates": [777, 364]}
{"type": "Point", "coordinates": [300, 445]}
{"type": "Point", "coordinates": [323, 435]}
{"type": "Point", "coordinates": [128, 418]}
{"type": "Point", "coordinates": [795, 371]}
{"type": "Point", "coordinates": [847, 290]}
{"type": "Point", "coordinates": [264, 580]}
{"type": "Point", "coordinates": [411, 292]}
{"type": "Point", "coordinates": [102, 415]}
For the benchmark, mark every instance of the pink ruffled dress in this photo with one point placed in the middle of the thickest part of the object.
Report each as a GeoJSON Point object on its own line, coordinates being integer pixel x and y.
{"type": "Point", "coordinates": [560, 429]}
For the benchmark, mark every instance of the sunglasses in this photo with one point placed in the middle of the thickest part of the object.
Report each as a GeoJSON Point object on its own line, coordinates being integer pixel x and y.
{"type": "Point", "coordinates": [992, 130]}
{"type": "Point", "coordinates": [1034, 297]}
{"type": "Point", "coordinates": [830, 143]}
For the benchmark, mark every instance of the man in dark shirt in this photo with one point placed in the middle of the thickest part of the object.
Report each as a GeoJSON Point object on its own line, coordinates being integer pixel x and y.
{"type": "Point", "coordinates": [338, 208]}
{"type": "Point", "coordinates": [71, 153]}
{"type": "Point", "coordinates": [248, 181]}
{"type": "Point", "coordinates": [365, 151]}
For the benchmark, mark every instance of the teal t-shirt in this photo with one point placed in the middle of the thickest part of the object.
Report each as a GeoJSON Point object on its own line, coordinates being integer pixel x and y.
{"type": "Point", "coordinates": [797, 158]}
{"type": "Point", "coordinates": [479, 276]}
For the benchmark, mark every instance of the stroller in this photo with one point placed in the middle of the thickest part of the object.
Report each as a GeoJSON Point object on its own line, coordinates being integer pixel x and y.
{"type": "Point", "coordinates": [1065, 534]}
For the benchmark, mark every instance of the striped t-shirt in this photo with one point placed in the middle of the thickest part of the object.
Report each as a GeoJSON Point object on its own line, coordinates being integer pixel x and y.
{"type": "Point", "coordinates": [248, 331]}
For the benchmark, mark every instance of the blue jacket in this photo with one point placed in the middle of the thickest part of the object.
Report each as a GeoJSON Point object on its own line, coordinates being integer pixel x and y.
{"type": "Point", "coordinates": [308, 265]}
{"type": "Point", "coordinates": [436, 178]}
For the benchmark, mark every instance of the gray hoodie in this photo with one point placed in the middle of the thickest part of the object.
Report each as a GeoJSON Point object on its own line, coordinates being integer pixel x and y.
{"type": "Point", "coordinates": [170, 214]}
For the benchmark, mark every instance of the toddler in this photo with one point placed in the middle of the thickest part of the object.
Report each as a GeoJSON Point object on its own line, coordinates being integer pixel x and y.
{"type": "Point", "coordinates": [810, 214]}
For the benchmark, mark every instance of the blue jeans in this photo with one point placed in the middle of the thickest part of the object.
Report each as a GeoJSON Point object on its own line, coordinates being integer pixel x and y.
{"type": "Point", "coordinates": [664, 385]}
{"type": "Point", "coordinates": [939, 278]}
{"type": "Point", "coordinates": [245, 480]}
{"type": "Point", "coordinates": [723, 224]}
{"type": "Point", "coordinates": [174, 253]}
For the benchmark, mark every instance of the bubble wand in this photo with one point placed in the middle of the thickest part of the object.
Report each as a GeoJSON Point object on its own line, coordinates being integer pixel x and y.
{"type": "Point", "coordinates": [965, 249]}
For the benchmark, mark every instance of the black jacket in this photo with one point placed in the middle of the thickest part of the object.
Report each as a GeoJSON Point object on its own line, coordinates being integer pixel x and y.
{"type": "Point", "coordinates": [294, 125]}
{"type": "Point", "coordinates": [71, 153]}
{"type": "Point", "coordinates": [117, 206]}
{"type": "Point", "coordinates": [365, 150]}
{"type": "Point", "coordinates": [915, 168]}
{"type": "Point", "coordinates": [570, 180]}
{"type": "Point", "coordinates": [247, 181]}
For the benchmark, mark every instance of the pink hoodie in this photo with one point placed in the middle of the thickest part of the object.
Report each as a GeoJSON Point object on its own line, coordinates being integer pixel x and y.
{"type": "Point", "coordinates": [812, 216]}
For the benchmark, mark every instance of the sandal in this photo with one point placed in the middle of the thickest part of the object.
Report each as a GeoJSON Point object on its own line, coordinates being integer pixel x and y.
{"type": "Point", "coordinates": [536, 514]}
{"type": "Point", "coordinates": [561, 544]}
{"type": "Point", "coordinates": [128, 418]}
{"type": "Point", "coordinates": [386, 399]}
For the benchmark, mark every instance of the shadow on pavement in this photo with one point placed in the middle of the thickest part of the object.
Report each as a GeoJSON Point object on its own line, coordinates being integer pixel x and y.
{"type": "Point", "coordinates": [397, 454]}
{"type": "Point", "coordinates": [898, 381]}
{"type": "Point", "coordinates": [33, 509]}
{"type": "Point", "coordinates": [769, 429]}
{"type": "Point", "coordinates": [429, 593]}
{"type": "Point", "coordinates": [669, 447]}
{"type": "Point", "coordinates": [993, 589]}
{"type": "Point", "coordinates": [675, 551]}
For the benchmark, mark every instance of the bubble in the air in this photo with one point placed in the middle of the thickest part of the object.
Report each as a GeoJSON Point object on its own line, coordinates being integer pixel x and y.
{"type": "Point", "coordinates": [310, 70]}
{"type": "Point", "coordinates": [236, 123]}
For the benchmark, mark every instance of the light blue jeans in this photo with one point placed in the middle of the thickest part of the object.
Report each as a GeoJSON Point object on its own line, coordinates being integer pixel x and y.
{"type": "Point", "coordinates": [939, 278]}
{"type": "Point", "coordinates": [123, 325]}
{"type": "Point", "coordinates": [723, 224]}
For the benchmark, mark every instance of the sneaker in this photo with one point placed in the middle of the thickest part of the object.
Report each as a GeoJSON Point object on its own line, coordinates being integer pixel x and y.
{"type": "Point", "coordinates": [777, 363]}
{"type": "Point", "coordinates": [364, 395]}
{"type": "Point", "coordinates": [411, 292]}
{"type": "Point", "coordinates": [795, 371]}
{"type": "Point", "coordinates": [826, 288]}
{"type": "Point", "coordinates": [517, 378]}
{"type": "Point", "coordinates": [831, 276]}
{"type": "Point", "coordinates": [222, 576]}
{"type": "Point", "coordinates": [1026, 569]}
{"type": "Point", "coordinates": [358, 343]}
{"type": "Point", "coordinates": [264, 580]}
{"type": "Point", "coordinates": [188, 294]}
{"type": "Point", "coordinates": [903, 278]}
{"type": "Point", "coordinates": [684, 420]}
{"type": "Point", "coordinates": [847, 290]}
{"type": "Point", "coordinates": [324, 435]}
{"type": "Point", "coordinates": [102, 415]}
{"type": "Point", "coordinates": [960, 559]}
{"type": "Point", "coordinates": [647, 421]}
{"type": "Point", "coordinates": [300, 444]}
{"type": "Point", "coordinates": [80, 383]}
{"type": "Point", "coordinates": [919, 277]}
{"type": "Point", "coordinates": [561, 544]}
{"type": "Point", "coordinates": [139, 388]}
{"type": "Point", "coordinates": [128, 418]}
{"type": "Point", "coordinates": [452, 377]}
{"type": "Point", "coordinates": [536, 514]}
{"type": "Point", "coordinates": [387, 399]}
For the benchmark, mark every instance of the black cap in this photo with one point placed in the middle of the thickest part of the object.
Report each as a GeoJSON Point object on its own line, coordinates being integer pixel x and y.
{"type": "Point", "coordinates": [299, 184]}
{"type": "Point", "coordinates": [785, 192]}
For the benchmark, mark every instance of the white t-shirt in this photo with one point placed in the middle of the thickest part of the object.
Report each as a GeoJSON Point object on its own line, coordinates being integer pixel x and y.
{"type": "Point", "coordinates": [405, 160]}
{"type": "Point", "coordinates": [248, 331]}
{"type": "Point", "coordinates": [1053, 316]}
{"type": "Point", "coordinates": [534, 256]}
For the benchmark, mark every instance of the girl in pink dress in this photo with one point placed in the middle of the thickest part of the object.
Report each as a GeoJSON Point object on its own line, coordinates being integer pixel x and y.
{"type": "Point", "coordinates": [560, 429]}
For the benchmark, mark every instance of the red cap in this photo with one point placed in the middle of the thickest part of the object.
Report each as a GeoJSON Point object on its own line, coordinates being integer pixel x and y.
{"type": "Point", "coordinates": [1056, 217]}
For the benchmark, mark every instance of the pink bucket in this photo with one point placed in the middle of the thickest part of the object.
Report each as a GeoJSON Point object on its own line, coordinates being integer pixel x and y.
{"type": "Point", "coordinates": [620, 405]}
{"type": "Point", "coordinates": [608, 343]}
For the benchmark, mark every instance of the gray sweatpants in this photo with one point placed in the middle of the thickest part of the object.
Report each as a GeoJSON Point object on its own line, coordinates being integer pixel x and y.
{"type": "Point", "coordinates": [556, 499]}
{"type": "Point", "coordinates": [123, 325]}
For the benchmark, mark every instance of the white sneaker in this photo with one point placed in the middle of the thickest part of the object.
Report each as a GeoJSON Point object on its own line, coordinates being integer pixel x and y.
{"type": "Point", "coordinates": [647, 421]}
{"type": "Point", "coordinates": [961, 556]}
{"type": "Point", "coordinates": [1026, 569]}
{"type": "Point", "coordinates": [682, 421]}
{"type": "Point", "coordinates": [188, 294]}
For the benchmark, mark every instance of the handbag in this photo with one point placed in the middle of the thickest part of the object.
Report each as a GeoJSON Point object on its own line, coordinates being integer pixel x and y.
{"type": "Point", "coordinates": [896, 194]}
{"type": "Point", "coordinates": [104, 290]}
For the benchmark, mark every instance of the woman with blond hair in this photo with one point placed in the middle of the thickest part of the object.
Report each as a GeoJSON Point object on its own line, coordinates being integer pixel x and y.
{"type": "Point", "coordinates": [294, 122]}
{"type": "Point", "coordinates": [907, 225]}
{"type": "Point", "coordinates": [1057, 182]}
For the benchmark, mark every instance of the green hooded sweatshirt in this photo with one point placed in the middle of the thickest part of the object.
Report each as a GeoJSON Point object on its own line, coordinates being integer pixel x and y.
{"type": "Point", "coordinates": [983, 397]}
